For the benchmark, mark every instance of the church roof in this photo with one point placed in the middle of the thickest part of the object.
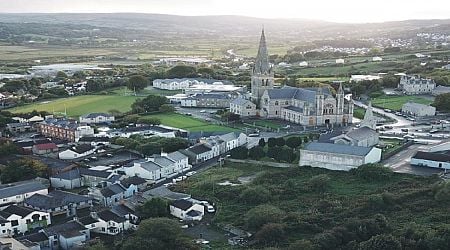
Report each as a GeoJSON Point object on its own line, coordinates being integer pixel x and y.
{"type": "Point", "coordinates": [303, 94]}
{"type": "Point", "coordinates": [262, 65]}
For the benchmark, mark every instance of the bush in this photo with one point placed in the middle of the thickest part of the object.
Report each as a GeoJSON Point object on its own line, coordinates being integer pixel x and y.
{"type": "Point", "coordinates": [381, 242]}
{"type": "Point", "coordinates": [272, 142]}
{"type": "Point", "coordinates": [270, 234]}
{"type": "Point", "coordinates": [294, 142]}
{"type": "Point", "coordinates": [319, 183]}
{"type": "Point", "coordinates": [258, 216]}
{"type": "Point", "coordinates": [256, 153]}
{"type": "Point", "coordinates": [374, 172]}
{"type": "Point", "coordinates": [255, 195]}
{"type": "Point", "coordinates": [239, 153]}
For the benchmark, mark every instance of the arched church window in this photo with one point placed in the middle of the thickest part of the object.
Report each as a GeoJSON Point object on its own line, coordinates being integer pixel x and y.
{"type": "Point", "coordinates": [276, 103]}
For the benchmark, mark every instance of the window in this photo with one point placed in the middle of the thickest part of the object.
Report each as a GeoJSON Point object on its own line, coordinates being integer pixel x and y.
{"type": "Point", "coordinates": [14, 223]}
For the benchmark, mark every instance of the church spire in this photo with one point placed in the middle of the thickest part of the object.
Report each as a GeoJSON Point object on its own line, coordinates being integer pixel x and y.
{"type": "Point", "coordinates": [369, 120]}
{"type": "Point", "coordinates": [340, 90]}
{"type": "Point", "coordinates": [262, 65]}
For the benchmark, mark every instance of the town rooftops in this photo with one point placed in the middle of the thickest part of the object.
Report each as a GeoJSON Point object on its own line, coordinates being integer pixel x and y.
{"type": "Point", "coordinates": [68, 230]}
{"type": "Point", "coordinates": [94, 115]}
{"type": "Point", "coordinates": [18, 188]}
{"type": "Point", "coordinates": [134, 180]}
{"type": "Point", "coordinates": [241, 101]}
{"type": "Point", "coordinates": [122, 210]}
{"type": "Point", "coordinates": [112, 190]}
{"type": "Point", "coordinates": [194, 80]}
{"type": "Point", "coordinates": [61, 123]}
{"type": "Point", "coordinates": [87, 220]}
{"type": "Point", "coordinates": [34, 237]}
{"type": "Point", "coordinates": [149, 165]}
{"type": "Point", "coordinates": [182, 204]}
{"type": "Point", "coordinates": [108, 215]}
{"type": "Point", "coordinates": [83, 148]}
{"type": "Point", "coordinates": [199, 149]}
{"type": "Point", "coordinates": [14, 209]}
{"type": "Point", "coordinates": [94, 139]}
{"type": "Point", "coordinates": [361, 133]}
{"type": "Point", "coordinates": [163, 160]}
{"type": "Point", "coordinates": [55, 199]}
{"type": "Point", "coordinates": [46, 146]}
{"type": "Point", "coordinates": [176, 156]}
{"type": "Point", "coordinates": [95, 173]}
{"type": "Point", "coordinates": [337, 148]}
{"type": "Point", "coordinates": [72, 174]}
{"type": "Point", "coordinates": [441, 157]}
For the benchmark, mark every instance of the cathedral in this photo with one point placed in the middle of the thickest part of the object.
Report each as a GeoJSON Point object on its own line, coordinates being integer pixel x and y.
{"type": "Point", "coordinates": [305, 106]}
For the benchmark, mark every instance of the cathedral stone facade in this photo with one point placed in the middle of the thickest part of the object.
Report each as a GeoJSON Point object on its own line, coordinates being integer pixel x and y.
{"type": "Point", "coordinates": [305, 106]}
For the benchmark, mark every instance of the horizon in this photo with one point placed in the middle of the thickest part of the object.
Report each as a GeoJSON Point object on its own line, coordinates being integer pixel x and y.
{"type": "Point", "coordinates": [346, 11]}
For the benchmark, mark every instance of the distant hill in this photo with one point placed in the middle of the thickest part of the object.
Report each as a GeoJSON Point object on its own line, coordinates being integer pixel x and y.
{"type": "Point", "coordinates": [231, 26]}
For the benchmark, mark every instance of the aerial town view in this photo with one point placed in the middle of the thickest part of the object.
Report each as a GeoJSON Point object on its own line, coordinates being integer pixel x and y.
{"type": "Point", "coordinates": [213, 124]}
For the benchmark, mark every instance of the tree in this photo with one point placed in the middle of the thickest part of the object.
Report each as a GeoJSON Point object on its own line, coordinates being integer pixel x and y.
{"type": "Point", "coordinates": [373, 172]}
{"type": "Point", "coordinates": [239, 153]}
{"type": "Point", "coordinates": [286, 155]}
{"type": "Point", "coordinates": [158, 234]}
{"type": "Point", "coordinates": [61, 74]}
{"type": "Point", "coordinates": [442, 102]}
{"type": "Point", "coordinates": [137, 83]}
{"type": "Point", "coordinates": [270, 234]}
{"type": "Point", "coordinates": [294, 142]}
{"type": "Point", "coordinates": [301, 244]}
{"type": "Point", "coordinates": [271, 142]}
{"type": "Point", "coordinates": [166, 108]}
{"type": "Point", "coordinates": [98, 246]}
{"type": "Point", "coordinates": [383, 241]}
{"type": "Point", "coordinates": [319, 183]}
{"type": "Point", "coordinates": [151, 103]}
{"type": "Point", "coordinates": [181, 71]}
{"type": "Point", "coordinates": [258, 216]}
{"type": "Point", "coordinates": [156, 207]}
{"type": "Point", "coordinates": [255, 195]}
{"type": "Point", "coordinates": [256, 153]}
{"type": "Point", "coordinates": [280, 141]}
{"type": "Point", "coordinates": [262, 142]}
{"type": "Point", "coordinates": [274, 152]}
{"type": "Point", "coordinates": [149, 120]}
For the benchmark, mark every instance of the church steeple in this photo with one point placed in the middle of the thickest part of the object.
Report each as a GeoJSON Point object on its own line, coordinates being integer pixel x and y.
{"type": "Point", "coordinates": [369, 119]}
{"type": "Point", "coordinates": [262, 65]}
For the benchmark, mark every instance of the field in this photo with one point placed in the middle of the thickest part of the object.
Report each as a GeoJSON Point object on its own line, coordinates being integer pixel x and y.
{"type": "Point", "coordinates": [189, 123]}
{"type": "Point", "coordinates": [396, 102]}
{"type": "Point", "coordinates": [80, 105]}
{"type": "Point", "coordinates": [309, 209]}
{"type": "Point", "coordinates": [359, 113]}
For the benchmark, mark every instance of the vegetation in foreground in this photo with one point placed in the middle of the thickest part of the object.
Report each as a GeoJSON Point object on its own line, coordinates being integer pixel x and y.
{"type": "Point", "coordinates": [311, 208]}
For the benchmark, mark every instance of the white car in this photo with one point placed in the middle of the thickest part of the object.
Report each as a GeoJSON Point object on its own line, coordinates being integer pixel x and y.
{"type": "Point", "coordinates": [210, 209]}
{"type": "Point", "coordinates": [190, 173]}
{"type": "Point", "coordinates": [202, 111]}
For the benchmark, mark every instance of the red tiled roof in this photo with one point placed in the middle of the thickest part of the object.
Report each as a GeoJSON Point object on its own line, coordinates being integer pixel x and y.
{"type": "Point", "coordinates": [46, 146]}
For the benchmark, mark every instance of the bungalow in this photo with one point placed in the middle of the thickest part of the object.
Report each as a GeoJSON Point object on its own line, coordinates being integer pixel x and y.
{"type": "Point", "coordinates": [110, 223]}
{"type": "Point", "coordinates": [19, 220]}
{"type": "Point", "coordinates": [187, 210]}
{"type": "Point", "coordinates": [59, 202]}
{"type": "Point", "coordinates": [138, 182]}
{"type": "Point", "coordinates": [113, 194]}
{"type": "Point", "coordinates": [46, 148]}
{"type": "Point", "coordinates": [145, 169]}
{"type": "Point", "coordinates": [67, 180]}
{"type": "Point", "coordinates": [199, 153]}
{"type": "Point", "coordinates": [76, 152]}
{"type": "Point", "coordinates": [68, 235]}
{"type": "Point", "coordinates": [17, 192]}
{"type": "Point", "coordinates": [95, 141]}
{"type": "Point", "coordinates": [439, 160]}
{"type": "Point", "coordinates": [94, 118]}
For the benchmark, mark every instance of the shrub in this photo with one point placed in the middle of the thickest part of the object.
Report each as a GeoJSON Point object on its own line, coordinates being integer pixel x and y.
{"type": "Point", "coordinates": [258, 216]}
{"type": "Point", "coordinates": [255, 195]}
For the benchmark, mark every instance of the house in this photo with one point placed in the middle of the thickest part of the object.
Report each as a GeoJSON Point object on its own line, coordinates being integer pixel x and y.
{"type": "Point", "coordinates": [144, 130]}
{"type": "Point", "coordinates": [243, 107]}
{"type": "Point", "coordinates": [337, 156]}
{"type": "Point", "coordinates": [207, 100]}
{"type": "Point", "coordinates": [67, 236]}
{"type": "Point", "coordinates": [362, 137]}
{"type": "Point", "coordinates": [181, 161]}
{"type": "Point", "coordinates": [67, 180]}
{"type": "Point", "coordinates": [95, 141]}
{"type": "Point", "coordinates": [124, 211]}
{"type": "Point", "coordinates": [183, 83]}
{"type": "Point", "coordinates": [64, 129]}
{"type": "Point", "coordinates": [145, 169]}
{"type": "Point", "coordinates": [22, 244]}
{"type": "Point", "coordinates": [187, 210]}
{"type": "Point", "coordinates": [439, 90]}
{"type": "Point", "coordinates": [46, 148]}
{"type": "Point", "coordinates": [19, 220]}
{"type": "Point", "coordinates": [17, 192]}
{"type": "Point", "coordinates": [59, 202]}
{"type": "Point", "coordinates": [95, 118]}
{"type": "Point", "coordinates": [110, 223]}
{"type": "Point", "coordinates": [440, 160]}
{"type": "Point", "coordinates": [200, 152]}
{"type": "Point", "coordinates": [92, 178]}
{"type": "Point", "coordinates": [55, 166]}
{"type": "Point", "coordinates": [416, 85]}
{"type": "Point", "coordinates": [76, 152]}
{"type": "Point", "coordinates": [138, 182]}
{"type": "Point", "coordinates": [113, 194]}
{"type": "Point", "coordinates": [234, 140]}
{"type": "Point", "coordinates": [417, 109]}
{"type": "Point", "coordinates": [18, 127]}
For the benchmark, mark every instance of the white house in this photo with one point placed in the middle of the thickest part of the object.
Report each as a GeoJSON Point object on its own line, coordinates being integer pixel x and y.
{"type": "Point", "coordinates": [79, 151]}
{"type": "Point", "coordinates": [19, 220]}
{"type": "Point", "coordinates": [417, 109]}
{"type": "Point", "coordinates": [440, 160]}
{"type": "Point", "coordinates": [113, 194]}
{"type": "Point", "coordinates": [181, 161]}
{"type": "Point", "coordinates": [58, 202]}
{"type": "Point", "coordinates": [362, 137]}
{"type": "Point", "coordinates": [110, 223]}
{"type": "Point", "coordinates": [337, 156]}
{"type": "Point", "coordinates": [68, 235]}
{"type": "Point", "coordinates": [94, 118]}
{"type": "Point", "coordinates": [187, 210]}
{"type": "Point", "coordinates": [145, 169]}
{"type": "Point", "coordinates": [200, 152]}
{"type": "Point", "coordinates": [243, 107]}
{"type": "Point", "coordinates": [67, 180]}
{"type": "Point", "coordinates": [416, 85]}
{"type": "Point", "coordinates": [17, 192]}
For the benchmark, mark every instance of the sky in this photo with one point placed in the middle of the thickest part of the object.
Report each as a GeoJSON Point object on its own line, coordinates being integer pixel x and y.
{"type": "Point", "coordinates": [347, 11]}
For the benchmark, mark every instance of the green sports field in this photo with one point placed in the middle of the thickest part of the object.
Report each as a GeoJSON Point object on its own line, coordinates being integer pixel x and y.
{"type": "Point", "coordinates": [396, 102]}
{"type": "Point", "coordinates": [80, 105]}
{"type": "Point", "coordinates": [189, 123]}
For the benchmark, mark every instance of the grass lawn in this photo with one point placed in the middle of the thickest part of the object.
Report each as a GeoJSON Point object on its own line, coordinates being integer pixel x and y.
{"type": "Point", "coordinates": [80, 105]}
{"type": "Point", "coordinates": [359, 112]}
{"type": "Point", "coordinates": [189, 123]}
{"type": "Point", "coordinates": [396, 102]}
{"type": "Point", "coordinates": [266, 123]}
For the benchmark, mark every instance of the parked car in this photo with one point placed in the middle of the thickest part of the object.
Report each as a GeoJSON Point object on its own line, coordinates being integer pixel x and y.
{"type": "Point", "coordinates": [191, 173]}
{"type": "Point", "coordinates": [210, 209]}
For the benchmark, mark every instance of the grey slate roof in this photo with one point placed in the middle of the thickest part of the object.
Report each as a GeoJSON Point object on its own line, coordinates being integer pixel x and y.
{"type": "Point", "coordinates": [241, 101]}
{"type": "Point", "coordinates": [94, 115]}
{"type": "Point", "coordinates": [108, 215]}
{"type": "Point", "coordinates": [95, 173]}
{"type": "Point", "coordinates": [361, 133]}
{"type": "Point", "coordinates": [17, 188]}
{"type": "Point", "coordinates": [182, 204]}
{"type": "Point", "coordinates": [228, 137]}
{"type": "Point", "coordinates": [69, 175]}
{"type": "Point", "coordinates": [134, 180]}
{"type": "Point", "coordinates": [440, 157]}
{"type": "Point", "coordinates": [112, 190]}
{"type": "Point", "coordinates": [150, 166]}
{"type": "Point", "coordinates": [68, 229]}
{"type": "Point", "coordinates": [337, 148]}
{"type": "Point", "coordinates": [163, 161]}
{"type": "Point", "coordinates": [176, 156]}
{"type": "Point", "coordinates": [303, 94]}
{"type": "Point", "coordinates": [55, 199]}
{"type": "Point", "coordinates": [199, 149]}
{"type": "Point", "coordinates": [294, 108]}
{"type": "Point", "coordinates": [21, 211]}
{"type": "Point", "coordinates": [122, 210]}
{"type": "Point", "coordinates": [87, 220]}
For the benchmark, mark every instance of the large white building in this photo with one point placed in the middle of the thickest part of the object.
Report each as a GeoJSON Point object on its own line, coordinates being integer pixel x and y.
{"type": "Point", "coordinates": [19, 220]}
{"type": "Point", "coordinates": [440, 160]}
{"type": "Point", "coordinates": [417, 109]}
{"type": "Point", "coordinates": [17, 192]}
{"type": "Point", "coordinates": [337, 156]}
{"type": "Point", "coordinates": [183, 83]}
{"type": "Point", "coordinates": [94, 118]}
{"type": "Point", "coordinates": [416, 85]}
